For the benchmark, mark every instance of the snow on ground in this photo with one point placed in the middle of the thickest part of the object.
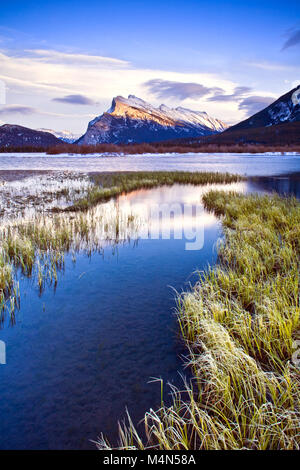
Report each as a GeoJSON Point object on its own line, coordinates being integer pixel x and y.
{"type": "Point", "coordinates": [23, 196]}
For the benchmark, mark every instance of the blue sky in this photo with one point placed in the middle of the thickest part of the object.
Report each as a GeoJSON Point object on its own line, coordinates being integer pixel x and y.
{"type": "Point", "coordinates": [63, 61]}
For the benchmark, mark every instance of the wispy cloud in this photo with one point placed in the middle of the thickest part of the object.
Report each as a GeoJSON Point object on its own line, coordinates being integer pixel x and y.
{"type": "Point", "coordinates": [272, 67]}
{"type": "Point", "coordinates": [293, 40]}
{"type": "Point", "coordinates": [254, 104]}
{"type": "Point", "coordinates": [57, 57]}
{"type": "Point", "coordinates": [17, 109]}
{"type": "Point", "coordinates": [27, 84]}
{"type": "Point", "coordinates": [38, 80]}
{"type": "Point", "coordinates": [169, 89]}
{"type": "Point", "coordinates": [250, 104]}
{"type": "Point", "coordinates": [238, 93]}
{"type": "Point", "coordinates": [76, 99]}
{"type": "Point", "coordinates": [14, 109]}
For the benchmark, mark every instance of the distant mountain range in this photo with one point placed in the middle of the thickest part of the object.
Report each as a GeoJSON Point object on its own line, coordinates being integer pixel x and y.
{"type": "Point", "coordinates": [65, 136]}
{"type": "Point", "coordinates": [132, 120]}
{"type": "Point", "coordinates": [12, 135]}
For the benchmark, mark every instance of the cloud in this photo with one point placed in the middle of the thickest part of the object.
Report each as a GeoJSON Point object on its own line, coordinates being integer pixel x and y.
{"type": "Point", "coordinates": [75, 99]}
{"type": "Point", "coordinates": [250, 104]}
{"type": "Point", "coordinates": [27, 84]}
{"type": "Point", "coordinates": [29, 110]}
{"type": "Point", "coordinates": [254, 104]}
{"type": "Point", "coordinates": [56, 57]}
{"type": "Point", "coordinates": [238, 93]}
{"type": "Point", "coordinates": [271, 66]}
{"type": "Point", "coordinates": [39, 79]}
{"type": "Point", "coordinates": [169, 89]}
{"type": "Point", "coordinates": [293, 40]}
{"type": "Point", "coordinates": [17, 109]}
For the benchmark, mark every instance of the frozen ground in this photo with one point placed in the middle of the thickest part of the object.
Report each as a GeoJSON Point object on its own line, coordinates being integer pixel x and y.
{"type": "Point", "coordinates": [23, 192]}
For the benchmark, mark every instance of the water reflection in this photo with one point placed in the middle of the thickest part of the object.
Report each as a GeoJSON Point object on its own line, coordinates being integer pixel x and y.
{"type": "Point", "coordinates": [163, 213]}
{"type": "Point", "coordinates": [174, 212]}
{"type": "Point", "coordinates": [77, 356]}
{"type": "Point", "coordinates": [281, 184]}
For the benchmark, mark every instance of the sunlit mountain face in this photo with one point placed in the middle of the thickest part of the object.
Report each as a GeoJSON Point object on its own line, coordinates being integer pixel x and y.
{"type": "Point", "coordinates": [133, 120]}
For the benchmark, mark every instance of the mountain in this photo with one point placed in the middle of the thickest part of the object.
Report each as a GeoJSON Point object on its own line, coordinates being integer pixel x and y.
{"type": "Point", "coordinates": [285, 109]}
{"type": "Point", "coordinates": [133, 120]}
{"type": "Point", "coordinates": [287, 133]}
{"type": "Point", "coordinates": [12, 135]}
{"type": "Point", "coordinates": [277, 124]}
{"type": "Point", "coordinates": [65, 136]}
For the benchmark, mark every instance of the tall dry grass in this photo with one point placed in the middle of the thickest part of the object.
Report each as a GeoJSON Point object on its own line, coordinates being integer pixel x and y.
{"type": "Point", "coordinates": [171, 147]}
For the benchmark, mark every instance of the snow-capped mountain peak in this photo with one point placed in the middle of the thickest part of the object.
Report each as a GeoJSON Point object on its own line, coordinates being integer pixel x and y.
{"type": "Point", "coordinates": [135, 120]}
{"type": "Point", "coordinates": [65, 136]}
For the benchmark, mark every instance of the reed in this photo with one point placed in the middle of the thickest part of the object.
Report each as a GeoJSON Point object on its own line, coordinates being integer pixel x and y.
{"type": "Point", "coordinates": [238, 323]}
{"type": "Point", "coordinates": [110, 185]}
{"type": "Point", "coordinates": [36, 246]}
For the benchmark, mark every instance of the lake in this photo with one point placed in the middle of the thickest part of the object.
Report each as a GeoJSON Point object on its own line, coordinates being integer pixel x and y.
{"type": "Point", "coordinates": [250, 165]}
{"type": "Point", "coordinates": [80, 353]}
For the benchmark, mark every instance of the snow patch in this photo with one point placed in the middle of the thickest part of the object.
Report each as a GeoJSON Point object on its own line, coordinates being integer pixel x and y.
{"type": "Point", "coordinates": [296, 97]}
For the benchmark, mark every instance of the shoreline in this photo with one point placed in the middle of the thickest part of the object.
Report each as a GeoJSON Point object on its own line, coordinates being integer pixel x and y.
{"type": "Point", "coordinates": [239, 324]}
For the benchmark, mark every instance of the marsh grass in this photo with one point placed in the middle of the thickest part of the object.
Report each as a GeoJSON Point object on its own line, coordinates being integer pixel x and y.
{"type": "Point", "coordinates": [238, 324]}
{"type": "Point", "coordinates": [36, 245]}
{"type": "Point", "coordinates": [110, 185]}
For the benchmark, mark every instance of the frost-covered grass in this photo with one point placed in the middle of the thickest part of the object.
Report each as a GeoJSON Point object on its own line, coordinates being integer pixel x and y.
{"type": "Point", "coordinates": [22, 197]}
{"type": "Point", "coordinates": [238, 323]}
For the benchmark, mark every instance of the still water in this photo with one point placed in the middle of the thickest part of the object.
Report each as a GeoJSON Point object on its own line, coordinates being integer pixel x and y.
{"type": "Point", "coordinates": [250, 165]}
{"type": "Point", "coordinates": [78, 355]}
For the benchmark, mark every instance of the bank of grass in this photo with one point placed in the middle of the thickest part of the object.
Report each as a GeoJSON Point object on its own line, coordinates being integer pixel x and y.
{"type": "Point", "coordinates": [109, 185]}
{"type": "Point", "coordinates": [239, 323]}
